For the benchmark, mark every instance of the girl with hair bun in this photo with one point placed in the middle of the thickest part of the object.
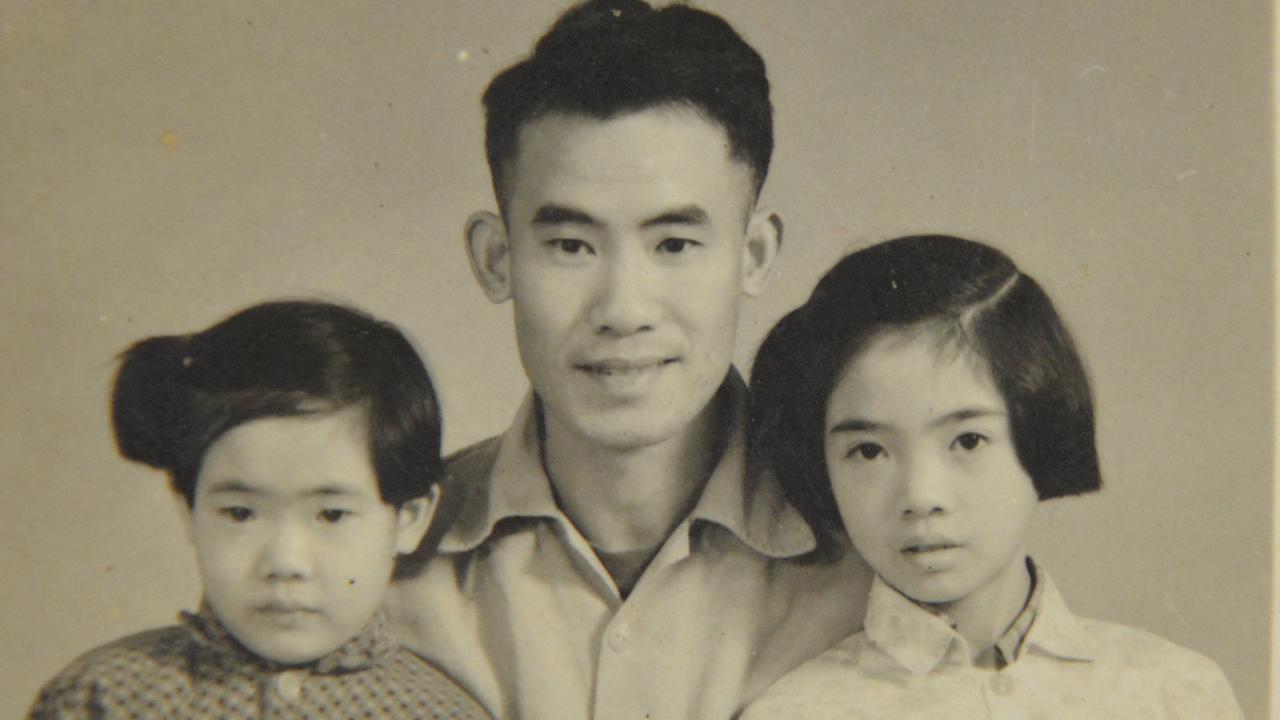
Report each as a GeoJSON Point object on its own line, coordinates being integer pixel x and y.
{"type": "Point", "coordinates": [303, 439]}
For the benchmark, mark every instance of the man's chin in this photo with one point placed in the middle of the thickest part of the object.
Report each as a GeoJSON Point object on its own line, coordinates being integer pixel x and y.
{"type": "Point", "coordinates": [628, 431]}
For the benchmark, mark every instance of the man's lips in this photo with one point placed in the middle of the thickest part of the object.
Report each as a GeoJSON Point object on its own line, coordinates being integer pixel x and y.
{"type": "Point", "coordinates": [623, 366]}
{"type": "Point", "coordinates": [283, 607]}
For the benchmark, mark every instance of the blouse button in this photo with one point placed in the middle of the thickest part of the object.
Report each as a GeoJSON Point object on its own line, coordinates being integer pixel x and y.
{"type": "Point", "coordinates": [289, 685]}
{"type": "Point", "coordinates": [1001, 684]}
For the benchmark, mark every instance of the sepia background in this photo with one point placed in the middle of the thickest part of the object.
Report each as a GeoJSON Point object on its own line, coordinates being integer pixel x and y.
{"type": "Point", "coordinates": [165, 163]}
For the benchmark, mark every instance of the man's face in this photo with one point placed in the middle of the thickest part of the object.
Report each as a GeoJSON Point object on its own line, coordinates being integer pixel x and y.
{"type": "Point", "coordinates": [628, 253]}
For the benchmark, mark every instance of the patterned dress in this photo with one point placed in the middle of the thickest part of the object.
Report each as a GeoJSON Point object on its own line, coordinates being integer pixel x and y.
{"type": "Point", "coordinates": [198, 670]}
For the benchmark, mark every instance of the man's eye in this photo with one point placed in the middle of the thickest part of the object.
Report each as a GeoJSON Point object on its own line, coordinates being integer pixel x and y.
{"type": "Point", "coordinates": [968, 441]}
{"type": "Point", "coordinates": [237, 513]}
{"type": "Point", "coordinates": [331, 515]}
{"type": "Point", "coordinates": [675, 245]}
{"type": "Point", "coordinates": [569, 246]}
{"type": "Point", "coordinates": [865, 451]}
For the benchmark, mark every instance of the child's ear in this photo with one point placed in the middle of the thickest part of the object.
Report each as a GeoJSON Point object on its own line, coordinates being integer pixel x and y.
{"type": "Point", "coordinates": [489, 250]}
{"type": "Point", "coordinates": [184, 514]}
{"type": "Point", "coordinates": [413, 519]}
{"type": "Point", "coordinates": [764, 239]}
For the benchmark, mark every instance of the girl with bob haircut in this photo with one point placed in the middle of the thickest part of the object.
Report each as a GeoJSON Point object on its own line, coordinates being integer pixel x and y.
{"type": "Point", "coordinates": [920, 405]}
{"type": "Point", "coordinates": [303, 440]}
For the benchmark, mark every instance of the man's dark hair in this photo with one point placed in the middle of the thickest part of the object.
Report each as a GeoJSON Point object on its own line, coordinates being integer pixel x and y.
{"type": "Point", "coordinates": [970, 293]}
{"type": "Point", "coordinates": [175, 395]}
{"type": "Point", "coordinates": [605, 58]}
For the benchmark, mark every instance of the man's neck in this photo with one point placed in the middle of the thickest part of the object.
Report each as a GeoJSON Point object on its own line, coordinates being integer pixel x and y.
{"type": "Point", "coordinates": [631, 499]}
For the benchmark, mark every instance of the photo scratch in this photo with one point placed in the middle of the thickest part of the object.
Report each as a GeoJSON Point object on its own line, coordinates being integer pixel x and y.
{"type": "Point", "coordinates": [1031, 133]}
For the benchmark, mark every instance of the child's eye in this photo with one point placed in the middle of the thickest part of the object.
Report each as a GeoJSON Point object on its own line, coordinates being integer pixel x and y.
{"type": "Point", "coordinates": [968, 441]}
{"type": "Point", "coordinates": [675, 246]}
{"type": "Point", "coordinates": [333, 515]}
{"type": "Point", "coordinates": [865, 451]}
{"type": "Point", "coordinates": [570, 246]}
{"type": "Point", "coordinates": [237, 513]}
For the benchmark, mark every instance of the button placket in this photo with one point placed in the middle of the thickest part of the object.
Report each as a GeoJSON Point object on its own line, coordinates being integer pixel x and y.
{"type": "Point", "coordinates": [1002, 685]}
{"type": "Point", "coordinates": [619, 634]}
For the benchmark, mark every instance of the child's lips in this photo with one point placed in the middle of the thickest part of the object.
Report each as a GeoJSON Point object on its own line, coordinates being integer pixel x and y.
{"type": "Point", "coordinates": [928, 545]}
{"type": "Point", "coordinates": [282, 607]}
{"type": "Point", "coordinates": [932, 555]}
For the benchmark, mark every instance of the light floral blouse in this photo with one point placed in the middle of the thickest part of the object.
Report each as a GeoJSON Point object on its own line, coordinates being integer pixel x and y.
{"type": "Point", "coordinates": [910, 662]}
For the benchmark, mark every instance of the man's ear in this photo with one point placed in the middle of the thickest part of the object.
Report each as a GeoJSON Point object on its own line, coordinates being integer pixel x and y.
{"type": "Point", "coordinates": [413, 519]}
{"type": "Point", "coordinates": [490, 254]}
{"type": "Point", "coordinates": [764, 238]}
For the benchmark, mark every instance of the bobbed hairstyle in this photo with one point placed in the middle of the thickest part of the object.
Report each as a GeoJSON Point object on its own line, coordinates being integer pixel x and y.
{"type": "Point", "coordinates": [973, 296]}
{"type": "Point", "coordinates": [175, 395]}
{"type": "Point", "coordinates": [605, 58]}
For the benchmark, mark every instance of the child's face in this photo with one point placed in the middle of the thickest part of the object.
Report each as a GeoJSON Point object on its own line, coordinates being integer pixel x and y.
{"type": "Point", "coordinates": [924, 471]}
{"type": "Point", "coordinates": [294, 543]}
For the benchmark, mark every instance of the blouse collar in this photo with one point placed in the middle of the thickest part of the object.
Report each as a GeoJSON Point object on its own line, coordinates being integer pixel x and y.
{"type": "Point", "coordinates": [920, 639]}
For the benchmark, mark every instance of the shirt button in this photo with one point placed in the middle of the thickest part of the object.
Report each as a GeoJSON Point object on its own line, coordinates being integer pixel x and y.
{"type": "Point", "coordinates": [618, 638]}
{"type": "Point", "coordinates": [289, 685]}
{"type": "Point", "coordinates": [1002, 684]}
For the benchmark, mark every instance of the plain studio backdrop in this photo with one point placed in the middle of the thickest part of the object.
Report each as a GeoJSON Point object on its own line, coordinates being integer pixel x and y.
{"type": "Point", "coordinates": [164, 164]}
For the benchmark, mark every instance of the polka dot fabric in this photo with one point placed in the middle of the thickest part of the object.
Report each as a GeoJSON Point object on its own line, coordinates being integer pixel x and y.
{"type": "Point", "coordinates": [198, 670]}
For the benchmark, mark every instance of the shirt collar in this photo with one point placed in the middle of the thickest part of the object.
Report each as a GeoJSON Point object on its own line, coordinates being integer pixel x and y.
{"type": "Point", "coordinates": [1056, 630]}
{"type": "Point", "coordinates": [752, 508]}
{"type": "Point", "coordinates": [915, 637]}
{"type": "Point", "coordinates": [920, 639]}
{"type": "Point", "coordinates": [1010, 644]}
{"type": "Point", "coordinates": [364, 650]}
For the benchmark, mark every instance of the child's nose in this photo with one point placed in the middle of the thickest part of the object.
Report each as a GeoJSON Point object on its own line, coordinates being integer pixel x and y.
{"type": "Point", "coordinates": [926, 490]}
{"type": "Point", "coordinates": [284, 554]}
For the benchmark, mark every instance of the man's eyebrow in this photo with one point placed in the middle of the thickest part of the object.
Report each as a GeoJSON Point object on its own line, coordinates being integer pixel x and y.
{"type": "Point", "coordinates": [687, 215]}
{"type": "Point", "coordinates": [552, 214]}
{"type": "Point", "coordinates": [855, 425]}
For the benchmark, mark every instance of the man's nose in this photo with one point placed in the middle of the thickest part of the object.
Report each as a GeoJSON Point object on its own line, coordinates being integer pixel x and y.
{"type": "Point", "coordinates": [625, 295]}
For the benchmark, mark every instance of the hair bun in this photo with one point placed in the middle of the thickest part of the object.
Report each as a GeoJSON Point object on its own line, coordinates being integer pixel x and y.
{"type": "Point", "coordinates": [149, 400]}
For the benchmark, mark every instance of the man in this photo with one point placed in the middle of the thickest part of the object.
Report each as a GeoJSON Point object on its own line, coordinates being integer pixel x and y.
{"type": "Point", "coordinates": [610, 556]}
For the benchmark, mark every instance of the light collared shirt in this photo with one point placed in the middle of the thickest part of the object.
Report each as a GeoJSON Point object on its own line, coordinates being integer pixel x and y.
{"type": "Point", "coordinates": [911, 663]}
{"type": "Point", "coordinates": [515, 605]}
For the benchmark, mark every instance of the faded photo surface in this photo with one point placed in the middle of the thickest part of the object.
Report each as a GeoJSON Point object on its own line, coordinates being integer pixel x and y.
{"type": "Point", "coordinates": [163, 165]}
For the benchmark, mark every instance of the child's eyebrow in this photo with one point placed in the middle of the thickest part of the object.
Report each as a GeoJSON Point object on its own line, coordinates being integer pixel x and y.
{"type": "Point", "coordinates": [856, 425]}
{"type": "Point", "coordinates": [861, 425]}
{"type": "Point", "coordinates": [239, 486]}
{"type": "Point", "coordinates": [233, 486]}
{"type": "Point", "coordinates": [966, 414]}
{"type": "Point", "coordinates": [329, 490]}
